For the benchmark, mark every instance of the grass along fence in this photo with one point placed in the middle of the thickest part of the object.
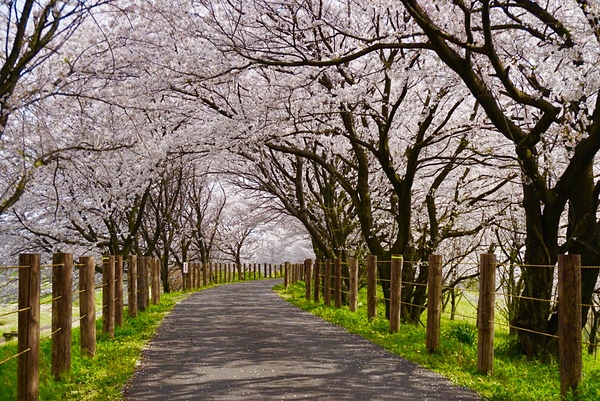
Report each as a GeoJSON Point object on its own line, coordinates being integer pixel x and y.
{"type": "Point", "coordinates": [324, 278]}
{"type": "Point", "coordinates": [143, 288]}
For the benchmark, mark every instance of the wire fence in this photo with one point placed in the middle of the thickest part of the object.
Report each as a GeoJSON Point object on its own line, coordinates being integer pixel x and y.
{"type": "Point", "coordinates": [494, 303]}
{"type": "Point", "coordinates": [134, 283]}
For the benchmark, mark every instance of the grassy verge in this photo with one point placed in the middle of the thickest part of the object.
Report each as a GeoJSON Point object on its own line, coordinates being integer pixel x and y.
{"type": "Point", "coordinates": [100, 378]}
{"type": "Point", "coordinates": [514, 377]}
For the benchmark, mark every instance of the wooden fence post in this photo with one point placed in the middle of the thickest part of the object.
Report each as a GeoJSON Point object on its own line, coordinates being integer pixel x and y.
{"type": "Point", "coordinates": [142, 283]}
{"type": "Point", "coordinates": [308, 270]}
{"type": "Point", "coordinates": [327, 283]}
{"type": "Point", "coordinates": [395, 292]}
{"type": "Point", "coordinates": [371, 286]}
{"type": "Point", "coordinates": [337, 291]}
{"type": "Point", "coordinates": [108, 295]}
{"type": "Point", "coordinates": [87, 306]}
{"type": "Point", "coordinates": [62, 313]}
{"type": "Point", "coordinates": [156, 282]}
{"type": "Point", "coordinates": [353, 301]}
{"type": "Point", "coordinates": [132, 287]}
{"type": "Point", "coordinates": [569, 322]}
{"type": "Point", "coordinates": [200, 278]}
{"type": "Point", "coordinates": [119, 302]}
{"type": "Point", "coordinates": [434, 303]}
{"type": "Point", "coordinates": [29, 327]}
{"type": "Point", "coordinates": [485, 340]}
{"type": "Point", "coordinates": [191, 272]}
{"type": "Point", "coordinates": [317, 273]}
{"type": "Point", "coordinates": [286, 275]}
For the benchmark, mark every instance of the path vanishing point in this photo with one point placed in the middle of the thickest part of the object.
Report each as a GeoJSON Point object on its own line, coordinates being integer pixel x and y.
{"type": "Point", "coordinates": [242, 342]}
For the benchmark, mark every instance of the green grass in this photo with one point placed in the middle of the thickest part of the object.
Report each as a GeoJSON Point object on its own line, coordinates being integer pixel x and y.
{"type": "Point", "coordinates": [100, 378]}
{"type": "Point", "coordinates": [514, 377]}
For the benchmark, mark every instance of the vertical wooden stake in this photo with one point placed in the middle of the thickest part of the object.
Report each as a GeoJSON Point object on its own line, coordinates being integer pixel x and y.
{"type": "Point", "coordinates": [156, 281]}
{"type": "Point", "coordinates": [132, 286]}
{"type": "Point", "coordinates": [353, 285]}
{"type": "Point", "coordinates": [108, 295]}
{"type": "Point", "coordinates": [327, 283]}
{"type": "Point", "coordinates": [337, 284]}
{"type": "Point", "coordinates": [192, 271]}
{"type": "Point", "coordinates": [317, 272]}
{"type": "Point", "coordinates": [371, 286]}
{"type": "Point", "coordinates": [308, 270]}
{"type": "Point", "coordinates": [87, 306]}
{"type": "Point", "coordinates": [485, 341]}
{"type": "Point", "coordinates": [395, 292]}
{"type": "Point", "coordinates": [62, 313]}
{"type": "Point", "coordinates": [434, 303]}
{"type": "Point", "coordinates": [119, 299]}
{"type": "Point", "coordinates": [286, 278]}
{"type": "Point", "coordinates": [29, 327]}
{"type": "Point", "coordinates": [569, 322]}
{"type": "Point", "coordinates": [142, 283]}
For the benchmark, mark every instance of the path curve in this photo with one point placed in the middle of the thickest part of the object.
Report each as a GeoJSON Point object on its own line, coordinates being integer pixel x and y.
{"type": "Point", "coordinates": [242, 342]}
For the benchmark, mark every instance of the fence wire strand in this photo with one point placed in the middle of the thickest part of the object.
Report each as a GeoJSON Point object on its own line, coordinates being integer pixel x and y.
{"type": "Point", "coordinates": [15, 311]}
{"type": "Point", "coordinates": [528, 298]}
{"type": "Point", "coordinates": [15, 356]}
{"type": "Point", "coordinates": [524, 329]}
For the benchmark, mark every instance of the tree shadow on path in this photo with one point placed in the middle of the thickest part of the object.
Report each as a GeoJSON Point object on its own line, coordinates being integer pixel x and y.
{"type": "Point", "coordinates": [242, 342]}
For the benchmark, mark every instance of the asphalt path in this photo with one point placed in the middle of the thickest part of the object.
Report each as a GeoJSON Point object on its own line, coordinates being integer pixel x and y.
{"type": "Point", "coordinates": [242, 342]}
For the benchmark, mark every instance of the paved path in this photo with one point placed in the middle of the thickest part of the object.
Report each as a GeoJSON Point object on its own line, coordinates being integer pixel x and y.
{"type": "Point", "coordinates": [242, 342]}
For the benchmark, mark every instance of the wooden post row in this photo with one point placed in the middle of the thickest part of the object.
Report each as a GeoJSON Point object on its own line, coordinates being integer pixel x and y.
{"type": "Point", "coordinates": [62, 313]}
{"type": "Point", "coordinates": [29, 327]}
{"type": "Point", "coordinates": [371, 286]}
{"type": "Point", "coordinates": [434, 303]}
{"type": "Point", "coordinates": [485, 338]}
{"type": "Point", "coordinates": [569, 322]}
{"type": "Point", "coordinates": [395, 292]}
{"type": "Point", "coordinates": [87, 306]}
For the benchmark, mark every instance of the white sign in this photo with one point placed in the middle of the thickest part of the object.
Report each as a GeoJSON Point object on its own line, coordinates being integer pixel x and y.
{"type": "Point", "coordinates": [185, 267]}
